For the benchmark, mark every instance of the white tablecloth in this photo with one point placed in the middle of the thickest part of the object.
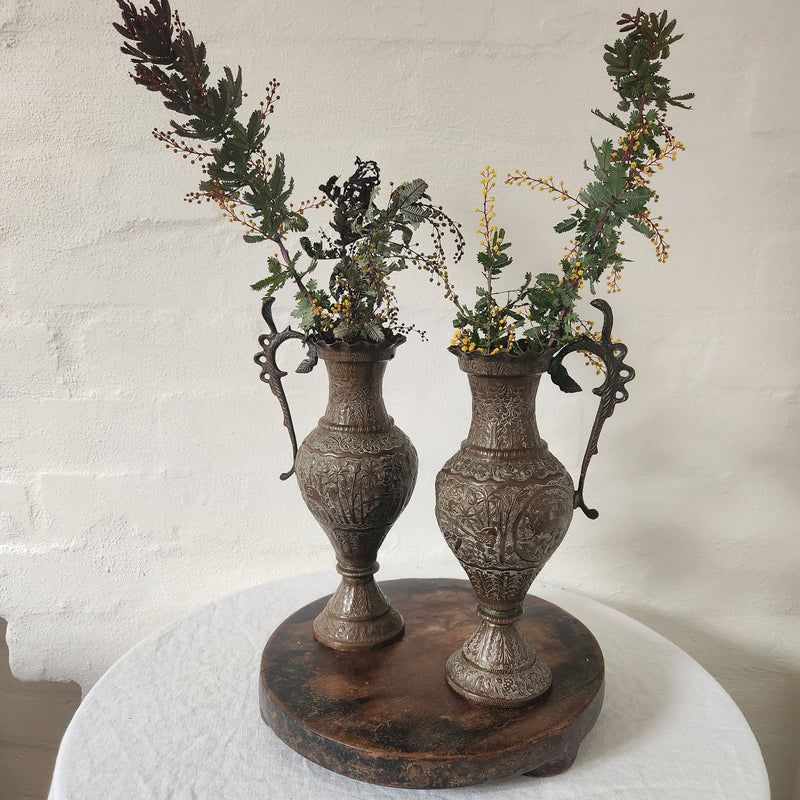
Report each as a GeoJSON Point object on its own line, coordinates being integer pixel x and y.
{"type": "Point", "coordinates": [177, 718]}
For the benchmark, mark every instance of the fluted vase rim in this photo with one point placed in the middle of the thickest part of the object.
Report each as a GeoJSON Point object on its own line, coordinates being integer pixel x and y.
{"type": "Point", "coordinates": [359, 351]}
{"type": "Point", "coordinates": [504, 364]}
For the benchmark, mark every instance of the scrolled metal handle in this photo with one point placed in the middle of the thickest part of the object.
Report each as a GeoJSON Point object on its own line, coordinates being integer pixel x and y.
{"type": "Point", "coordinates": [611, 391]}
{"type": "Point", "coordinates": [272, 374]}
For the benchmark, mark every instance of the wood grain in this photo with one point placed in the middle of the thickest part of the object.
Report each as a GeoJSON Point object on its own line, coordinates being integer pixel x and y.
{"type": "Point", "coordinates": [388, 716]}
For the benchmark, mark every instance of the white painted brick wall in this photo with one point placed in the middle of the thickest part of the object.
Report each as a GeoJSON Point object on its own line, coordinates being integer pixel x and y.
{"type": "Point", "coordinates": [139, 453]}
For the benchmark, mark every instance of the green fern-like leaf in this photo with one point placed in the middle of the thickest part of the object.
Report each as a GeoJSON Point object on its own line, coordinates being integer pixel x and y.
{"type": "Point", "coordinates": [565, 225]}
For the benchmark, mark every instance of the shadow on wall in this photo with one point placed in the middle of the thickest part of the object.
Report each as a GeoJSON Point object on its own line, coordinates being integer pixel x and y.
{"type": "Point", "coordinates": [764, 690]}
{"type": "Point", "coordinates": [33, 718]}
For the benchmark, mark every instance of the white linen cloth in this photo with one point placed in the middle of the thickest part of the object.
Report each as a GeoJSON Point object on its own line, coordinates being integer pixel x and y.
{"type": "Point", "coordinates": [177, 718]}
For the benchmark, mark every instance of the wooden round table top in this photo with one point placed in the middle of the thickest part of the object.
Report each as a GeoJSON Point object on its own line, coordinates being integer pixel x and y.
{"type": "Point", "coordinates": [388, 717]}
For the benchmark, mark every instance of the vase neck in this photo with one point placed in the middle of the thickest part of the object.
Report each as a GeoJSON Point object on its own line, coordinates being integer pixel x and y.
{"type": "Point", "coordinates": [503, 413]}
{"type": "Point", "coordinates": [355, 396]}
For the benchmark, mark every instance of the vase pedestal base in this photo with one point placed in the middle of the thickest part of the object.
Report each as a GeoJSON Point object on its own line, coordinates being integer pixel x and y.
{"type": "Point", "coordinates": [388, 717]}
{"type": "Point", "coordinates": [497, 665]}
{"type": "Point", "coordinates": [358, 616]}
{"type": "Point", "coordinates": [502, 690]}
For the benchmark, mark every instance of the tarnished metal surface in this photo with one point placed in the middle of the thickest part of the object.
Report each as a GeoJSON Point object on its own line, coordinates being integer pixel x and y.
{"type": "Point", "coordinates": [503, 503]}
{"type": "Point", "coordinates": [611, 391]}
{"type": "Point", "coordinates": [356, 471]}
{"type": "Point", "coordinates": [272, 374]}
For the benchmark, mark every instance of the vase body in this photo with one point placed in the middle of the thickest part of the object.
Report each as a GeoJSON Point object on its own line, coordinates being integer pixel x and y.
{"type": "Point", "coordinates": [356, 472]}
{"type": "Point", "coordinates": [503, 503]}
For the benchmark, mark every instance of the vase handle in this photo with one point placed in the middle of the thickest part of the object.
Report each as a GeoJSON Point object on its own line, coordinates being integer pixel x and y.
{"type": "Point", "coordinates": [611, 391]}
{"type": "Point", "coordinates": [272, 374]}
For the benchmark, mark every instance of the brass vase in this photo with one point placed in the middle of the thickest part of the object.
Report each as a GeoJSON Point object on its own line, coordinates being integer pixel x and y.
{"type": "Point", "coordinates": [504, 503]}
{"type": "Point", "coordinates": [356, 471]}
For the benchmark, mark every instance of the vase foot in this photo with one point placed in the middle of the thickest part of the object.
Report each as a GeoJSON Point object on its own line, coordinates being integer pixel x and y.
{"type": "Point", "coordinates": [499, 689]}
{"type": "Point", "coordinates": [497, 666]}
{"type": "Point", "coordinates": [358, 615]}
{"type": "Point", "coordinates": [349, 635]}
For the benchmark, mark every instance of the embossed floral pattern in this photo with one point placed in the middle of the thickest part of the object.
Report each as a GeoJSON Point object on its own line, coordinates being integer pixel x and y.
{"type": "Point", "coordinates": [503, 503]}
{"type": "Point", "coordinates": [356, 471]}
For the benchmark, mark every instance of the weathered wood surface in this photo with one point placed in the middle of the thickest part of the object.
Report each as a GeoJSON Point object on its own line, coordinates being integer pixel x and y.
{"type": "Point", "coordinates": [388, 716]}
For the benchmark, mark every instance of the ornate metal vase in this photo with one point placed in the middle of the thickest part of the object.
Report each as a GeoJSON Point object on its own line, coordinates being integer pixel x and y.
{"type": "Point", "coordinates": [504, 503]}
{"type": "Point", "coordinates": [356, 471]}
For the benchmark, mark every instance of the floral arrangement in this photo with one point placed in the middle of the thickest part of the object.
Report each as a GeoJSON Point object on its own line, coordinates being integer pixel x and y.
{"type": "Point", "coordinates": [368, 243]}
{"type": "Point", "coordinates": [541, 314]}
